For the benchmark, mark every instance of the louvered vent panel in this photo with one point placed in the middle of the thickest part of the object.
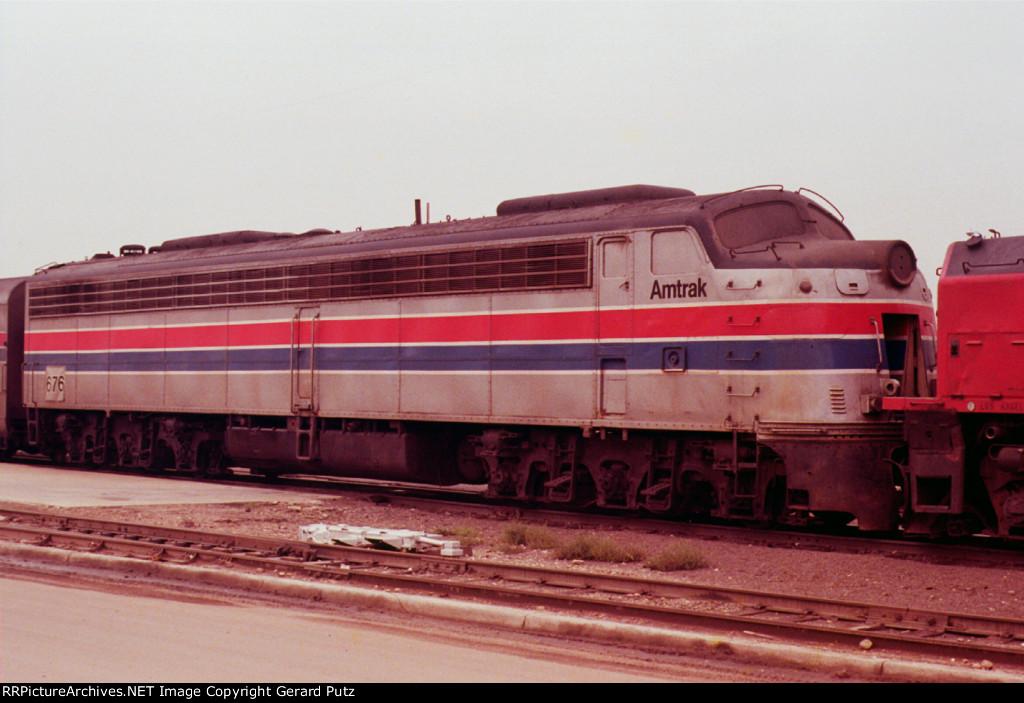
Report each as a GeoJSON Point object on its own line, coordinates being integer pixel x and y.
{"type": "Point", "coordinates": [837, 397]}
{"type": "Point", "coordinates": [520, 267]}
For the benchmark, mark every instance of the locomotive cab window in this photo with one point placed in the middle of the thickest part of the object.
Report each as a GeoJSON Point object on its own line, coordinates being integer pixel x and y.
{"type": "Point", "coordinates": [763, 222]}
{"type": "Point", "coordinates": [828, 226]}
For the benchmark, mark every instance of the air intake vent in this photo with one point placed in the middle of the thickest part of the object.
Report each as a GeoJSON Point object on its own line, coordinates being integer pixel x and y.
{"type": "Point", "coordinates": [837, 396]}
{"type": "Point", "coordinates": [533, 266]}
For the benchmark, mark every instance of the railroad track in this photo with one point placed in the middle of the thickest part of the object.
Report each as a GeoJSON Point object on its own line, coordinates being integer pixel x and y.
{"type": "Point", "coordinates": [969, 550]}
{"type": "Point", "coordinates": [649, 601]}
{"type": "Point", "coordinates": [974, 551]}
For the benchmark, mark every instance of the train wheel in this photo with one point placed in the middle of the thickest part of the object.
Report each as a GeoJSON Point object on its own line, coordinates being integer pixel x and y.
{"type": "Point", "coordinates": [539, 474]}
{"type": "Point", "coordinates": [584, 487]}
{"type": "Point", "coordinates": [503, 474]}
{"type": "Point", "coordinates": [210, 461]}
{"type": "Point", "coordinates": [56, 452]}
{"type": "Point", "coordinates": [964, 525]}
{"type": "Point", "coordinates": [832, 520]}
{"type": "Point", "coordinates": [163, 458]}
{"type": "Point", "coordinates": [472, 468]}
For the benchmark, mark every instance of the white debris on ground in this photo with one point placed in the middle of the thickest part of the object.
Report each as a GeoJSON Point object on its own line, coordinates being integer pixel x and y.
{"type": "Point", "coordinates": [378, 538]}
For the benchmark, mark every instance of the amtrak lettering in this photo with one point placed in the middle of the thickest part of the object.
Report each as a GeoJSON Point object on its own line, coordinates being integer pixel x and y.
{"type": "Point", "coordinates": [663, 291]}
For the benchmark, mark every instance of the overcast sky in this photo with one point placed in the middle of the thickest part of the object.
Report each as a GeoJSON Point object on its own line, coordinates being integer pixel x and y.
{"type": "Point", "coordinates": [145, 121]}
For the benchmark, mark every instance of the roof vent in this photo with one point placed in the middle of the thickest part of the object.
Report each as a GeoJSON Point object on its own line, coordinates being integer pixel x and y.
{"type": "Point", "coordinates": [220, 240]}
{"type": "Point", "coordinates": [590, 198]}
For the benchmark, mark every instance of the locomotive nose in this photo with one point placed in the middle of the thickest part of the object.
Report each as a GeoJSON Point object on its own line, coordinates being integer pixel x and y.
{"type": "Point", "coordinates": [895, 257]}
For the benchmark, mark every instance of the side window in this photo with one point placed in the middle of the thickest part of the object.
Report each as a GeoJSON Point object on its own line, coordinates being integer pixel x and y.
{"type": "Point", "coordinates": [616, 258]}
{"type": "Point", "coordinates": [675, 251]}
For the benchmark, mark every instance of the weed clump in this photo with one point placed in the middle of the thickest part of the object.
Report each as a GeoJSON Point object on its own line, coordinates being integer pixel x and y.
{"type": "Point", "coordinates": [519, 534]}
{"type": "Point", "coordinates": [677, 557]}
{"type": "Point", "coordinates": [467, 536]}
{"type": "Point", "coordinates": [595, 548]}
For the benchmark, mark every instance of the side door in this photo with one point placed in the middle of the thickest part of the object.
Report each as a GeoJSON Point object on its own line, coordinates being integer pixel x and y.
{"type": "Point", "coordinates": [614, 322]}
{"type": "Point", "coordinates": [303, 371]}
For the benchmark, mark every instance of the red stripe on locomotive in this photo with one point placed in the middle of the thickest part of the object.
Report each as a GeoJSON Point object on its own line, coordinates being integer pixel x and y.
{"type": "Point", "coordinates": [779, 320]}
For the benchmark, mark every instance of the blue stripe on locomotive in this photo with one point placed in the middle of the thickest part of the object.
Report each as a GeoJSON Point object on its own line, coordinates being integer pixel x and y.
{"type": "Point", "coordinates": [719, 355]}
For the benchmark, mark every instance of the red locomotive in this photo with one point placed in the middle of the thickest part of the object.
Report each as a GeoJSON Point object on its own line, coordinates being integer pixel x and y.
{"type": "Point", "coordinates": [965, 468]}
